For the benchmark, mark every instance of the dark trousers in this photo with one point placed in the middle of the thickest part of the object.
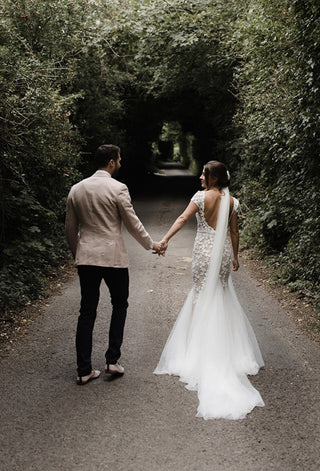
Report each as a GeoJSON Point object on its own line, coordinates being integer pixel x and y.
{"type": "Point", "coordinates": [117, 280]}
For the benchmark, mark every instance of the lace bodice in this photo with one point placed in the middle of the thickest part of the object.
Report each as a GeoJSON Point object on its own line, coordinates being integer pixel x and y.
{"type": "Point", "coordinates": [203, 246]}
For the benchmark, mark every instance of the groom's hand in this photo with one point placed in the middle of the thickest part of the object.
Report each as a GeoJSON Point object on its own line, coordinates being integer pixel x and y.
{"type": "Point", "coordinates": [157, 248]}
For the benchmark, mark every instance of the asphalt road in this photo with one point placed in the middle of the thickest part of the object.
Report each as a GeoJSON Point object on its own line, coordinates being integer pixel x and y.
{"type": "Point", "coordinates": [147, 422]}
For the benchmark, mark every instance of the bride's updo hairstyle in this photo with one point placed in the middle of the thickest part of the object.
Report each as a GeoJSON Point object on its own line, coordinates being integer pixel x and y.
{"type": "Point", "coordinates": [218, 170]}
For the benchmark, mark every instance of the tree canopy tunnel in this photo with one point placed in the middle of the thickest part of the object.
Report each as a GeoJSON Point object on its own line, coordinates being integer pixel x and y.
{"type": "Point", "coordinates": [158, 63]}
{"type": "Point", "coordinates": [183, 128]}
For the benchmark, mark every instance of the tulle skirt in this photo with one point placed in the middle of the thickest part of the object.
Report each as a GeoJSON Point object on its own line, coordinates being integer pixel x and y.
{"type": "Point", "coordinates": [213, 350]}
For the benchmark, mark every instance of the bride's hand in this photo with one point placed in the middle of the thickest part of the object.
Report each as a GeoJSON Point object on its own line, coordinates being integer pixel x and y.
{"type": "Point", "coordinates": [163, 247]}
{"type": "Point", "coordinates": [235, 264]}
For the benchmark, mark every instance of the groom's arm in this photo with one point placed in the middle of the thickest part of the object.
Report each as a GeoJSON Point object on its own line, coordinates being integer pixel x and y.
{"type": "Point", "coordinates": [132, 222]}
{"type": "Point", "coordinates": [72, 227]}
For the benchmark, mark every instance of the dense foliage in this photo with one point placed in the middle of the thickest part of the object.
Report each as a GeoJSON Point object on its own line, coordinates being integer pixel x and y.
{"type": "Point", "coordinates": [38, 144]}
{"type": "Point", "coordinates": [279, 82]}
{"type": "Point", "coordinates": [237, 80]}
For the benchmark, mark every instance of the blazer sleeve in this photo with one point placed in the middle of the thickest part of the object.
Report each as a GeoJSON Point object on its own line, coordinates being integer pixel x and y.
{"type": "Point", "coordinates": [131, 220]}
{"type": "Point", "coordinates": [72, 226]}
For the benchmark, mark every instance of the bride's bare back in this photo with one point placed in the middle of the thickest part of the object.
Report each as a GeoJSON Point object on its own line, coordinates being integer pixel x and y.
{"type": "Point", "coordinates": [212, 200]}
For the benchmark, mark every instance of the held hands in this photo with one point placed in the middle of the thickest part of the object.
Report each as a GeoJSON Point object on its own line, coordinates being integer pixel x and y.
{"type": "Point", "coordinates": [160, 247]}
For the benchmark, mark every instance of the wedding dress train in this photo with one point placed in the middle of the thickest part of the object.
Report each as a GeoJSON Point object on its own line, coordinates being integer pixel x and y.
{"type": "Point", "coordinates": [212, 346]}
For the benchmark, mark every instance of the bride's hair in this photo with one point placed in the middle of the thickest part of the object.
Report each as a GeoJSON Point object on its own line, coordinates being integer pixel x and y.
{"type": "Point", "coordinates": [218, 170]}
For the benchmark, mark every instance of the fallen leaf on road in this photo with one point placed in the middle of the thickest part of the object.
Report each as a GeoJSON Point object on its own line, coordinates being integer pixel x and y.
{"type": "Point", "coordinates": [186, 259]}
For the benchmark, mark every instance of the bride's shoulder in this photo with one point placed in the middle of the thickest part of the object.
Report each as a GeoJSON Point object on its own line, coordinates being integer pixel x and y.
{"type": "Point", "coordinates": [235, 205]}
{"type": "Point", "coordinates": [198, 197]}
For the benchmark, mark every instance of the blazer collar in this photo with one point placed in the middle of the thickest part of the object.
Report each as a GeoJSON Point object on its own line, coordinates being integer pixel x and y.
{"type": "Point", "coordinates": [102, 173]}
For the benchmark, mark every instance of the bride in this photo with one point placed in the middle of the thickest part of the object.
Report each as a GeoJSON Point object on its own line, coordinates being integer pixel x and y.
{"type": "Point", "coordinates": [212, 346]}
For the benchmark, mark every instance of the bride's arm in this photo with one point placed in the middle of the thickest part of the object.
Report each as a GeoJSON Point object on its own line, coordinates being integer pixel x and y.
{"type": "Point", "coordinates": [190, 210]}
{"type": "Point", "coordinates": [234, 235]}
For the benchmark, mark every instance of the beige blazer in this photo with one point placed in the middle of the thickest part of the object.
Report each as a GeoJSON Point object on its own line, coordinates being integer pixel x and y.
{"type": "Point", "coordinates": [96, 208]}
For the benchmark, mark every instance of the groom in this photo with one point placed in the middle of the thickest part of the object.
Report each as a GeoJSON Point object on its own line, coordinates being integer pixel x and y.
{"type": "Point", "coordinates": [96, 208]}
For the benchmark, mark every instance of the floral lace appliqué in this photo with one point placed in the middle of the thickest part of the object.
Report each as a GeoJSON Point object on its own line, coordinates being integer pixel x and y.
{"type": "Point", "coordinates": [203, 247]}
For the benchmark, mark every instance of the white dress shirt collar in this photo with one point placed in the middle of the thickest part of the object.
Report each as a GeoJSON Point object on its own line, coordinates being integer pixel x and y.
{"type": "Point", "coordinates": [103, 171]}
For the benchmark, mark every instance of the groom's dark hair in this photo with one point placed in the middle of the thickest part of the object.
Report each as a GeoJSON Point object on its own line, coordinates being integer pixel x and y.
{"type": "Point", "coordinates": [105, 153]}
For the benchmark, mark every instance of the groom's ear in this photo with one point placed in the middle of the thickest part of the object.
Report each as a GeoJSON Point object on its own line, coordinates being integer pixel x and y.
{"type": "Point", "coordinates": [111, 164]}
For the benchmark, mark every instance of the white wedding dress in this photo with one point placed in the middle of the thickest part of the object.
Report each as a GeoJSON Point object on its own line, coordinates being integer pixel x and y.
{"type": "Point", "coordinates": [212, 346]}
